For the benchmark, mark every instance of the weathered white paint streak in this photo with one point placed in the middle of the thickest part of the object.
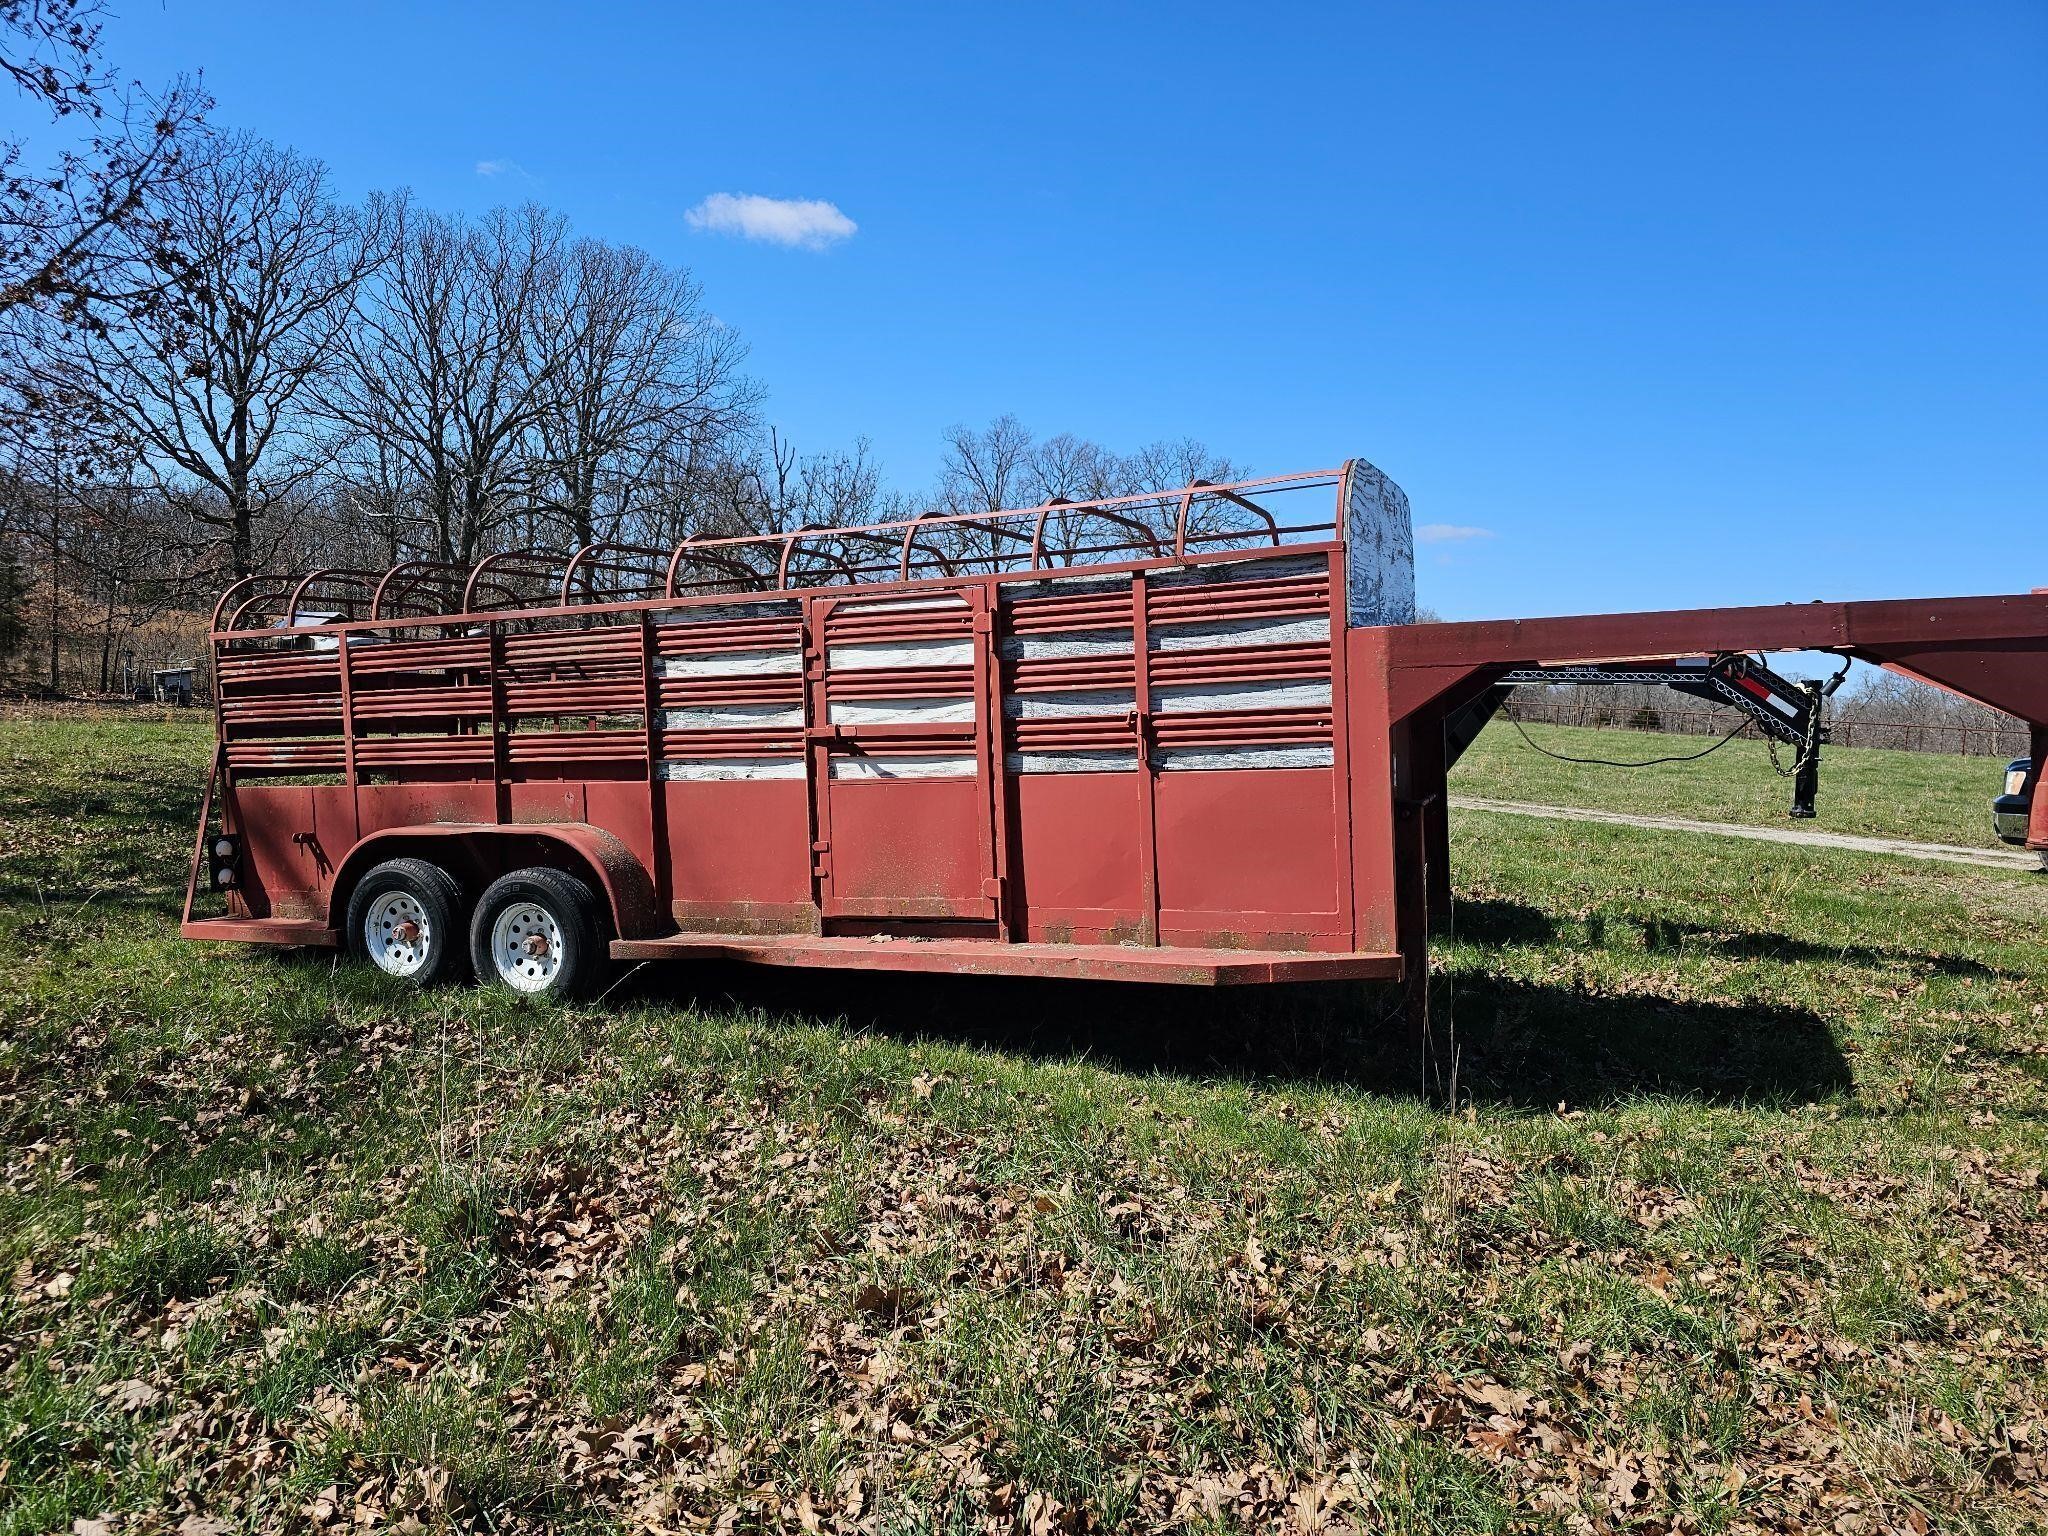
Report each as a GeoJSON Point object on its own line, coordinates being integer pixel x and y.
{"type": "Point", "coordinates": [1201, 698]}
{"type": "Point", "coordinates": [1069, 704]}
{"type": "Point", "coordinates": [733, 717]}
{"type": "Point", "coordinates": [775, 663]}
{"type": "Point", "coordinates": [727, 613]}
{"type": "Point", "coordinates": [900, 711]}
{"type": "Point", "coordinates": [1067, 646]}
{"type": "Point", "coordinates": [1243, 757]}
{"type": "Point", "coordinates": [874, 655]}
{"type": "Point", "coordinates": [1221, 634]}
{"type": "Point", "coordinates": [948, 767]}
{"type": "Point", "coordinates": [1073, 761]}
{"type": "Point", "coordinates": [1264, 568]}
{"type": "Point", "coordinates": [1082, 585]}
{"type": "Point", "coordinates": [897, 605]}
{"type": "Point", "coordinates": [721, 768]}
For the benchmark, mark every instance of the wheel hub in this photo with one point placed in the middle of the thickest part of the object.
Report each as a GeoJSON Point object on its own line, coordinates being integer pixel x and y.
{"type": "Point", "coordinates": [398, 933]}
{"type": "Point", "coordinates": [526, 946]}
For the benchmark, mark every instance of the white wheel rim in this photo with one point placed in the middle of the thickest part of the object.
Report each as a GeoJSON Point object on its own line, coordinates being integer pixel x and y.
{"type": "Point", "coordinates": [397, 933]}
{"type": "Point", "coordinates": [526, 947]}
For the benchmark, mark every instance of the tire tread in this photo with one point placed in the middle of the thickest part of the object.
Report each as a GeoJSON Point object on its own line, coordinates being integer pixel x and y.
{"type": "Point", "coordinates": [576, 908]}
{"type": "Point", "coordinates": [436, 888]}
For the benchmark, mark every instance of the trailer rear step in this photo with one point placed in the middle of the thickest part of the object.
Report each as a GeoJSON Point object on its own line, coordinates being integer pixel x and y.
{"type": "Point", "coordinates": [986, 957]}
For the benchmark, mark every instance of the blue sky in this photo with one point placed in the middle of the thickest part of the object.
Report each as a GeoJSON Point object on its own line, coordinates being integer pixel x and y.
{"type": "Point", "coordinates": [1681, 303]}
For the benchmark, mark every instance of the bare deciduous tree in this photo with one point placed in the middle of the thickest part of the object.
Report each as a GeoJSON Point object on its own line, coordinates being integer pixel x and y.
{"type": "Point", "coordinates": [58, 219]}
{"type": "Point", "coordinates": [982, 471]}
{"type": "Point", "coordinates": [1072, 468]}
{"type": "Point", "coordinates": [451, 366]}
{"type": "Point", "coordinates": [645, 377]}
{"type": "Point", "coordinates": [1002, 466]}
{"type": "Point", "coordinates": [262, 268]}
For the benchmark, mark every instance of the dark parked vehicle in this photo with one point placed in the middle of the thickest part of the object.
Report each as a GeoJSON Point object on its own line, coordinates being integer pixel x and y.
{"type": "Point", "coordinates": [2011, 810]}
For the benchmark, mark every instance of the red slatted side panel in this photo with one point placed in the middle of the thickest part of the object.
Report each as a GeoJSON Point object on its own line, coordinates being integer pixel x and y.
{"type": "Point", "coordinates": [902, 765]}
{"type": "Point", "coordinates": [1231, 753]}
{"type": "Point", "coordinates": [732, 742]}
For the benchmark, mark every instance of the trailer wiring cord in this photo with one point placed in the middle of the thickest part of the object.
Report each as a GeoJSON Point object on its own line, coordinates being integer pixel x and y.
{"type": "Point", "coordinates": [1609, 762]}
{"type": "Point", "coordinates": [1807, 749]}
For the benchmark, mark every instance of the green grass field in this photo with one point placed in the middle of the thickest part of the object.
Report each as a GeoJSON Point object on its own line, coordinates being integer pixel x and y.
{"type": "Point", "coordinates": [1863, 790]}
{"type": "Point", "coordinates": [1738, 1224]}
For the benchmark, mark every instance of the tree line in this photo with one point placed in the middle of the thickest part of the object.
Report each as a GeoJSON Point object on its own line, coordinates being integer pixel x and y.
{"type": "Point", "coordinates": [212, 365]}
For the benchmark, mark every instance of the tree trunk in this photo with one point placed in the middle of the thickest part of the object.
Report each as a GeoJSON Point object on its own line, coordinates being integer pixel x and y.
{"type": "Point", "coordinates": [107, 637]}
{"type": "Point", "coordinates": [241, 527]}
{"type": "Point", "coordinates": [585, 498]}
{"type": "Point", "coordinates": [239, 507]}
{"type": "Point", "coordinates": [56, 543]}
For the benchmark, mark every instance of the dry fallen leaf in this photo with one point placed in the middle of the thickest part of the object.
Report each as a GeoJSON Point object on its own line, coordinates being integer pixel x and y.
{"type": "Point", "coordinates": [1621, 1484]}
{"type": "Point", "coordinates": [891, 1303]}
{"type": "Point", "coordinates": [132, 1396]}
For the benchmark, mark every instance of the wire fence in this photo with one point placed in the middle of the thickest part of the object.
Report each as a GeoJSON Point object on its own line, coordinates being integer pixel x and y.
{"type": "Point", "coordinates": [1955, 739]}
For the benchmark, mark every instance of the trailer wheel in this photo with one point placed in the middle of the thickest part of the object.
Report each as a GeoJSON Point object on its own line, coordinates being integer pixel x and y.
{"type": "Point", "coordinates": [405, 918]}
{"type": "Point", "coordinates": [536, 932]}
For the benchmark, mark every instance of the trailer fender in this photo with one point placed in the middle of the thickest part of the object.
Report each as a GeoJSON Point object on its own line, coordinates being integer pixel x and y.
{"type": "Point", "coordinates": [621, 879]}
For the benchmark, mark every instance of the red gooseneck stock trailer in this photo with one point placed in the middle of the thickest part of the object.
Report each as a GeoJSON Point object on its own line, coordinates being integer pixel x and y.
{"type": "Point", "coordinates": [1191, 737]}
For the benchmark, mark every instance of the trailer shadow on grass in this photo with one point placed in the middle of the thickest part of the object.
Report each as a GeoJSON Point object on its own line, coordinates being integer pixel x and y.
{"type": "Point", "coordinates": [1516, 1043]}
{"type": "Point", "coordinates": [1495, 924]}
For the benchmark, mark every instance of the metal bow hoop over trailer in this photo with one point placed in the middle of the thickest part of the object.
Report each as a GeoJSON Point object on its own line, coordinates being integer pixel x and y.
{"type": "Point", "coordinates": [1191, 736]}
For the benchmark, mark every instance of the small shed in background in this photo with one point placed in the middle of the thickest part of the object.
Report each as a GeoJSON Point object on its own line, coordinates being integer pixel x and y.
{"type": "Point", "coordinates": [173, 684]}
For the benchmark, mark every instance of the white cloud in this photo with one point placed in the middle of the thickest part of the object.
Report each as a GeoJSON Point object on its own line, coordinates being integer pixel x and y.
{"type": "Point", "coordinates": [807, 222]}
{"type": "Point", "coordinates": [1450, 533]}
{"type": "Point", "coordinates": [502, 168]}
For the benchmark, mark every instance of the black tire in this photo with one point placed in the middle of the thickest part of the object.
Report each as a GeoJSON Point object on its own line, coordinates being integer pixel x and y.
{"type": "Point", "coordinates": [552, 935]}
{"type": "Point", "coordinates": [402, 890]}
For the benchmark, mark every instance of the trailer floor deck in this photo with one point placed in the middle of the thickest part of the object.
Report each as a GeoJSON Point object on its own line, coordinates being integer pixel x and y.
{"type": "Point", "coordinates": [988, 957]}
{"type": "Point", "coordinates": [974, 957]}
